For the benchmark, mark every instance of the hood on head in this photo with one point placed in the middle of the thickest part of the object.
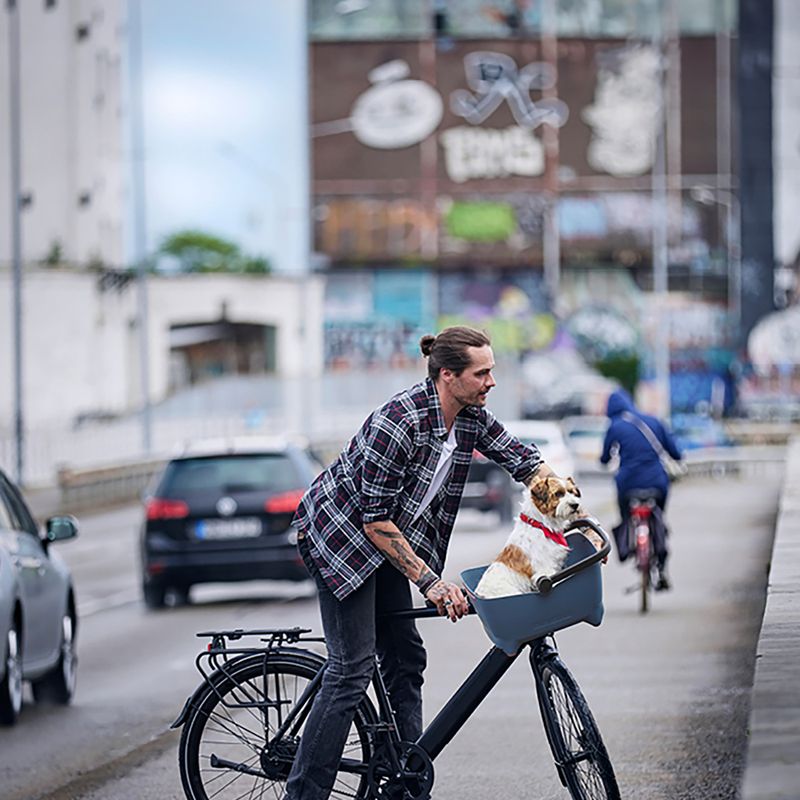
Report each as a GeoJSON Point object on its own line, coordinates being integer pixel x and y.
{"type": "Point", "coordinates": [619, 401]}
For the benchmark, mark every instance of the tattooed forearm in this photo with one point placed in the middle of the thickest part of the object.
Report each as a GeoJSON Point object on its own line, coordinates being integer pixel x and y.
{"type": "Point", "coordinates": [403, 558]}
{"type": "Point", "coordinates": [391, 542]}
{"type": "Point", "coordinates": [389, 533]}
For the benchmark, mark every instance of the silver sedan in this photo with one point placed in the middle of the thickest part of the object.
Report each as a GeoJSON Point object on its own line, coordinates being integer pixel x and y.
{"type": "Point", "coordinates": [38, 619]}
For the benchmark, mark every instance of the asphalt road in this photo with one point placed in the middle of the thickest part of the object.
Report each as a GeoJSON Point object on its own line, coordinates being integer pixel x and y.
{"type": "Point", "coordinates": [670, 690]}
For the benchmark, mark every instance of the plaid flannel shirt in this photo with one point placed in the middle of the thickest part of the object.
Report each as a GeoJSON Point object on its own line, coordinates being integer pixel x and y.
{"type": "Point", "coordinates": [383, 474]}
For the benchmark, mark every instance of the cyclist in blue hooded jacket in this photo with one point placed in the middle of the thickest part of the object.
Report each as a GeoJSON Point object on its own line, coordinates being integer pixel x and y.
{"type": "Point", "coordinates": [639, 468]}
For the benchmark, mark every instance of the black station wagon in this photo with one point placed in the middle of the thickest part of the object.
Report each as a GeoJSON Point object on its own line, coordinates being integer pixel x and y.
{"type": "Point", "coordinates": [222, 511]}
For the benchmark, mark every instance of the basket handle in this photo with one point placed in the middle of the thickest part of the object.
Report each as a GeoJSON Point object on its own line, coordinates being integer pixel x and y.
{"type": "Point", "coordinates": [546, 583]}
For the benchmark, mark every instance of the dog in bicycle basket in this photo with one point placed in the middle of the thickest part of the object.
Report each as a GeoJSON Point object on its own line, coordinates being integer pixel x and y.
{"type": "Point", "coordinates": [536, 545]}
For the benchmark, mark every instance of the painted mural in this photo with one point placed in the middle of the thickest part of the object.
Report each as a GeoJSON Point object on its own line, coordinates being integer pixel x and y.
{"type": "Point", "coordinates": [513, 307]}
{"type": "Point", "coordinates": [376, 318]}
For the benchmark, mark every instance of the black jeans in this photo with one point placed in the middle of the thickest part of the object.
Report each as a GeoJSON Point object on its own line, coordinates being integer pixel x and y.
{"type": "Point", "coordinates": [354, 633]}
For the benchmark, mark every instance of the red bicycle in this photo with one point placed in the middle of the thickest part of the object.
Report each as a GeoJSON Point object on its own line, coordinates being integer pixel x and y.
{"type": "Point", "coordinates": [641, 519]}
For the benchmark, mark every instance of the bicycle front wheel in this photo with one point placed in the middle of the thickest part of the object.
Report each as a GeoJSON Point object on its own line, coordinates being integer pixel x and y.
{"type": "Point", "coordinates": [574, 736]}
{"type": "Point", "coordinates": [227, 748]}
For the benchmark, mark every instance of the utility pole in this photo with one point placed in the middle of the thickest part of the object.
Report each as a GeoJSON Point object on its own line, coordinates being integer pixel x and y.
{"type": "Point", "coordinates": [660, 233]}
{"type": "Point", "coordinates": [16, 232]}
{"type": "Point", "coordinates": [140, 222]}
{"type": "Point", "coordinates": [551, 235]}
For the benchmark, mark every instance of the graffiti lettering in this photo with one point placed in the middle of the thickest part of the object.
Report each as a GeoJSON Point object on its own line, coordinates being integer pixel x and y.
{"type": "Point", "coordinates": [494, 78]}
{"type": "Point", "coordinates": [481, 153]}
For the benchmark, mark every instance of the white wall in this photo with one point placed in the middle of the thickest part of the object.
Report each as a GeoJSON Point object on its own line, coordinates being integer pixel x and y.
{"type": "Point", "coordinates": [71, 129]}
{"type": "Point", "coordinates": [80, 346]}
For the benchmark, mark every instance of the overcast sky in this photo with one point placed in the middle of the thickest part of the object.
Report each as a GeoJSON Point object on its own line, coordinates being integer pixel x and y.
{"type": "Point", "coordinates": [225, 115]}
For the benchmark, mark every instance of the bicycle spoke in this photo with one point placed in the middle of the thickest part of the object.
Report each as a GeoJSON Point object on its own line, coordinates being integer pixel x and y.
{"type": "Point", "coordinates": [585, 763]}
{"type": "Point", "coordinates": [236, 722]}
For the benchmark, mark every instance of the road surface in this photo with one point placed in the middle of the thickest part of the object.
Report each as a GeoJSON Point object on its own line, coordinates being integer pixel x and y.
{"type": "Point", "coordinates": [670, 690]}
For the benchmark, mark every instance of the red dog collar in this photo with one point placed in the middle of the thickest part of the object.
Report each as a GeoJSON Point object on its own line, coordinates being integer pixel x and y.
{"type": "Point", "coordinates": [555, 536]}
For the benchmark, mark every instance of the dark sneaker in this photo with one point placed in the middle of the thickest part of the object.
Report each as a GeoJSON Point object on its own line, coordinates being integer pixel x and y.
{"type": "Point", "coordinates": [663, 583]}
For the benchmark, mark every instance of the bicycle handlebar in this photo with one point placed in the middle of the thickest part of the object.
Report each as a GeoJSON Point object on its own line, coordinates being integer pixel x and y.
{"type": "Point", "coordinates": [546, 583]}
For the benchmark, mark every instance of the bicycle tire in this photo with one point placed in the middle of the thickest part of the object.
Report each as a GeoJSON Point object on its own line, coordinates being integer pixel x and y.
{"type": "Point", "coordinates": [221, 726]}
{"type": "Point", "coordinates": [578, 749]}
{"type": "Point", "coordinates": [644, 565]}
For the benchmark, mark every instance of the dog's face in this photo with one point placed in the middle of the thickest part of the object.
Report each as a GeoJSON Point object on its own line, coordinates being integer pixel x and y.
{"type": "Point", "coordinates": [556, 497]}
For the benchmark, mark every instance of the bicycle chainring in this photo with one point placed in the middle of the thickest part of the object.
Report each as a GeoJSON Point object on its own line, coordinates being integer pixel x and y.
{"type": "Point", "coordinates": [412, 781]}
{"type": "Point", "coordinates": [277, 758]}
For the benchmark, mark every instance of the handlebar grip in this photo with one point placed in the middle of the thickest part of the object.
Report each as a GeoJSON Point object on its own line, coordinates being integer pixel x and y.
{"type": "Point", "coordinates": [586, 562]}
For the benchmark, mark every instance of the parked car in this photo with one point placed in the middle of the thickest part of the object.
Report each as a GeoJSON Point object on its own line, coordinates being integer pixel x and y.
{"type": "Point", "coordinates": [38, 619]}
{"type": "Point", "coordinates": [695, 431]}
{"type": "Point", "coordinates": [585, 436]}
{"type": "Point", "coordinates": [490, 488]}
{"type": "Point", "coordinates": [550, 440]}
{"type": "Point", "coordinates": [222, 511]}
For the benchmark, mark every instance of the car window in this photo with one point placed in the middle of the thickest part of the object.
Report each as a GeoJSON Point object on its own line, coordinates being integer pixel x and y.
{"type": "Point", "coordinates": [20, 518]}
{"type": "Point", "coordinates": [5, 514]}
{"type": "Point", "coordinates": [271, 473]}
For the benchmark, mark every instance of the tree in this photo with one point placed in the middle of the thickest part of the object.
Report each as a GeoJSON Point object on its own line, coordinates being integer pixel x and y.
{"type": "Point", "coordinates": [197, 251]}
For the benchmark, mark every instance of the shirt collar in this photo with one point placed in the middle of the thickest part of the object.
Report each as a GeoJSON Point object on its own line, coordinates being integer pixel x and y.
{"type": "Point", "coordinates": [435, 410]}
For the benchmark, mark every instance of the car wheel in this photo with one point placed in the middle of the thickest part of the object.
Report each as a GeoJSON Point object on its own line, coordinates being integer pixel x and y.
{"type": "Point", "coordinates": [11, 684]}
{"type": "Point", "coordinates": [154, 595]}
{"type": "Point", "coordinates": [58, 685]}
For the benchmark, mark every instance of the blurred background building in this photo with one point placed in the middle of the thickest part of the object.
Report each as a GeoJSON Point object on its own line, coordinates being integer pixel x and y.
{"type": "Point", "coordinates": [296, 192]}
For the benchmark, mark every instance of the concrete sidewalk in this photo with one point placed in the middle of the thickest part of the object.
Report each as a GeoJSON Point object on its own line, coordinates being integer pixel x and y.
{"type": "Point", "coordinates": [773, 758]}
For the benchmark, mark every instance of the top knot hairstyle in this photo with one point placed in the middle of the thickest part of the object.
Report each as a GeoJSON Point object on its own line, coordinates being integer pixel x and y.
{"type": "Point", "coordinates": [448, 350]}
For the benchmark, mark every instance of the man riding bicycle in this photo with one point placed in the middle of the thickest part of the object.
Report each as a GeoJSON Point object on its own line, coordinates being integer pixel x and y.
{"type": "Point", "coordinates": [380, 516]}
{"type": "Point", "coordinates": [640, 468]}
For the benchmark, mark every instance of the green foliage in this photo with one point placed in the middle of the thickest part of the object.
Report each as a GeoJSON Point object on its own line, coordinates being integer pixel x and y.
{"type": "Point", "coordinates": [481, 222]}
{"type": "Point", "coordinates": [197, 251]}
{"type": "Point", "coordinates": [55, 255]}
{"type": "Point", "coordinates": [622, 367]}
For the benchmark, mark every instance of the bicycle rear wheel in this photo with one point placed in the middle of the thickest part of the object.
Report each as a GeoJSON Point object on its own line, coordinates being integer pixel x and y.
{"type": "Point", "coordinates": [574, 737]}
{"type": "Point", "coordinates": [225, 751]}
{"type": "Point", "coordinates": [644, 547]}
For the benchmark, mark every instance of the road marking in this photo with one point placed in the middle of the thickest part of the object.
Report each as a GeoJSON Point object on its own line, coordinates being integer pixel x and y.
{"type": "Point", "coordinates": [94, 605]}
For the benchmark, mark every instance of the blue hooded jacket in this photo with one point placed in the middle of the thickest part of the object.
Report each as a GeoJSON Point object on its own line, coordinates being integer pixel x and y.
{"type": "Point", "coordinates": [639, 464]}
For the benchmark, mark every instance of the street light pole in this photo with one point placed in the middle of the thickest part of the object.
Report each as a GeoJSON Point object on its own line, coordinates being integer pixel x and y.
{"type": "Point", "coordinates": [16, 231]}
{"type": "Point", "coordinates": [660, 244]}
{"type": "Point", "coordinates": [140, 222]}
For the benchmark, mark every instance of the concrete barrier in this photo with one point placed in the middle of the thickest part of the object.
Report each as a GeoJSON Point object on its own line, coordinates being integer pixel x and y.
{"type": "Point", "coordinates": [95, 487]}
{"type": "Point", "coordinates": [772, 771]}
{"type": "Point", "coordinates": [102, 486]}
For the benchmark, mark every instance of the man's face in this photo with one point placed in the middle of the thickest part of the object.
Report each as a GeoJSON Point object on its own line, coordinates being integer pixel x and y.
{"type": "Point", "coordinates": [471, 387]}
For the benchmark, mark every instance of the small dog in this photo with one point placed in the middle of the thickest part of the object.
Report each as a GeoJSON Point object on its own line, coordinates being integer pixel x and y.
{"type": "Point", "coordinates": [536, 545]}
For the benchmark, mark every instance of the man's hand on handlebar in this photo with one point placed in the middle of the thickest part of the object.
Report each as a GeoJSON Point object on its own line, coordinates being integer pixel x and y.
{"type": "Point", "coordinates": [448, 599]}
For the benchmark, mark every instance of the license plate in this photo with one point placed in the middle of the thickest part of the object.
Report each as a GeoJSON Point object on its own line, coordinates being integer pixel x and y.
{"type": "Point", "coordinates": [238, 528]}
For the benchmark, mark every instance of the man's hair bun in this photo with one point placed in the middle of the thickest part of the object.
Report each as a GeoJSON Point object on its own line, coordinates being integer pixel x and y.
{"type": "Point", "coordinates": [426, 344]}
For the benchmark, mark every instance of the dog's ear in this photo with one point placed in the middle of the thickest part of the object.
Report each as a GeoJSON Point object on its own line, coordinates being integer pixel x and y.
{"type": "Point", "coordinates": [539, 489]}
{"type": "Point", "coordinates": [573, 487]}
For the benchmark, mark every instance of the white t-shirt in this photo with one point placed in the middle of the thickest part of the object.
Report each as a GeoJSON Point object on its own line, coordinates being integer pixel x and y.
{"type": "Point", "coordinates": [440, 473]}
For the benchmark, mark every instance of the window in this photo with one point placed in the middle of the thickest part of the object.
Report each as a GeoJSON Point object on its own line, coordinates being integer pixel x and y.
{"type": "Point", "coordinates": [227, 474]}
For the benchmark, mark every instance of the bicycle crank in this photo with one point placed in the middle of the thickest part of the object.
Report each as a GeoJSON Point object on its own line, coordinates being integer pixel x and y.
{"type": "Point", "coordinates": [412, 780]}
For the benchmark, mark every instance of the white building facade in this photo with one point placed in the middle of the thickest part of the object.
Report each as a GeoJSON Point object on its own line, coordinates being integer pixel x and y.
{"type": "Point", "coordinates": [73, 162]}
{"type": "Point", "coordinates": [81, 346]}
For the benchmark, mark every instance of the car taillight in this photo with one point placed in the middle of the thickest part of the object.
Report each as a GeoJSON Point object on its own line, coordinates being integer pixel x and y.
{"type": "Point", "coordinates": [159, 508]}
{"type": "Point", "coordinates": [285, 503]}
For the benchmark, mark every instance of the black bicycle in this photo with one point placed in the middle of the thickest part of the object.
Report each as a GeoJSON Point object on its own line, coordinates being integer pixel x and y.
{"type": "Point", "coordinates": [242, 726]}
